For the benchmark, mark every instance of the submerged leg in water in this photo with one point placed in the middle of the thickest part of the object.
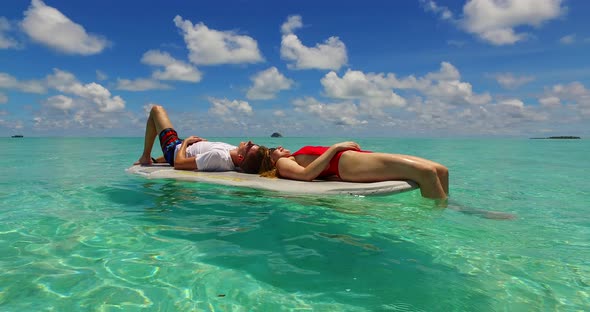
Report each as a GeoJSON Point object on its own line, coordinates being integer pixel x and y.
{"type": "Point", "coordinates": [488, 214]}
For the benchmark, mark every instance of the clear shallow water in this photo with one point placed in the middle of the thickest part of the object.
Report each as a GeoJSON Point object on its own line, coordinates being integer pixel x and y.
{"type": "Point", "coordinates": [77, 233]}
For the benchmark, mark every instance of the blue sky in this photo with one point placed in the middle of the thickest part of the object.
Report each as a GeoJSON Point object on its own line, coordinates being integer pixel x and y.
{"type": "Point", "coordinates": [485, 68]}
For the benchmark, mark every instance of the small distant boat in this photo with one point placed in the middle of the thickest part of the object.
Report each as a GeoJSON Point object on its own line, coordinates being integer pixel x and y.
{"type": "Point", "coordinates": [18, 136]}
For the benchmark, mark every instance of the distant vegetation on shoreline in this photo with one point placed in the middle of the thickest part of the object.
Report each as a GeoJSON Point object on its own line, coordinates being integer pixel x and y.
{"type": "Point", "coordinates": [557, 137]}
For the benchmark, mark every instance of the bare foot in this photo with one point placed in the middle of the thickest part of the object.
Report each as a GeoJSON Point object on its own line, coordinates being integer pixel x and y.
{"type": "Point", "coordinates": [143, 161]}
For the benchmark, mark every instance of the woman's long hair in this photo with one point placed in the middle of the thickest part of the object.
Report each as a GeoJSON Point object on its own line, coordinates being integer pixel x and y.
{"type": "Point", "coordinates": [267, 167]}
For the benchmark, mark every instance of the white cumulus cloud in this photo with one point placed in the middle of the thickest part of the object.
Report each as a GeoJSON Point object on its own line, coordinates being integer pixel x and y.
{"type": "Point", "coordinates": [574, 91]}
{"type": "Point", "coordinates": [573, 94]}
{"type": "Point", "coordinates": [29, 86]}
{"type": "Point", "coordinates": [372, 90]}
{"type": "Point", "coordinates": [550, 101]}
{"type": "Point", "coordinates": [10, 124]}
{"type": "Point", "coordinates": [568, 39]}
{"type": "Point", "coordinates": [100, 75]}
{"type": "Point", "coordinates": [445, 85]}
{"type": "Point", "coordinates": [267, 83]}
{"type": "Point", "coordinates": [328, 55]}
{"type": "Point", "coordinates": [141, 84]}
{"type": "Point", "coordinates": [173, 69]}
{"type": "Point", "coordinates": [376, 90]}
{"type": "Point", "coordinates": [447, 72]}
{"type": "Point", "coordinates": [6, 42]}
{"type": "Point", "coordinates": [495, 21]}
{"type": "Point", "coordinates": [211, 47]}
{"type": "Point", "coordinates": [341, 114]}
{"type": "Point", "coordinates": [430, 102]}
{"type": "Point", "coordinates": [50, 27]}
{"type": "Point", "coordinates": [456, 92]}
{"type": "Point", "coordinates": [293, 23]}
{"type": "Point", "coordinates": [516, 111]}
{"type": "Point", "coordinates": [512, 102]}
{"type": "Point", "coordinates": [509, 81]}
{"type": "Point", "coordinates": [444, 12]}
{"type": "Point", "coordinates": [229, 111]}
{"type": "Point", "coordinates": [60, 102]}
{"type": "Point", "coordinates": [67, 83]}
{"type": "Point", "coordinates": [3, 98]}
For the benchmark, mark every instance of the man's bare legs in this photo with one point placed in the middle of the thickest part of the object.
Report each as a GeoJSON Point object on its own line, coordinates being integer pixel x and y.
{"type": "Point", "coordinates": [157, 121]}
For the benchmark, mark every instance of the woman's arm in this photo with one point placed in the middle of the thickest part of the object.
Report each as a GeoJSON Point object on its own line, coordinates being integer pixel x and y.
{"type": "Point", "coordinates": [290, 169]}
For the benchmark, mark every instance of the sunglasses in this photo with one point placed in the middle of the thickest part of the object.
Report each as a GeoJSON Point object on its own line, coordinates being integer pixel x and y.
{"type": "Point", "coordinates": [249, 147]}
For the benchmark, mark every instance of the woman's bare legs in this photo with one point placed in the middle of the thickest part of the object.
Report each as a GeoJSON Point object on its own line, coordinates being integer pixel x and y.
{"type": "Point", "coordinates": [441, 171]}
{"type": "Point", "coordinates": [157, 121]}
{"type": "Point", "coordinates": [373, 167]}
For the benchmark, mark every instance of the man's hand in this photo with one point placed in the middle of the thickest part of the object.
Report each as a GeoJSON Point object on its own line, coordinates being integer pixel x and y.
{"type": "Point", "coordinates": [344, 146]}
{"type": "Point", "coordinates": [181, 162]}
{"type": "Point", "coordinates": [193, 139]}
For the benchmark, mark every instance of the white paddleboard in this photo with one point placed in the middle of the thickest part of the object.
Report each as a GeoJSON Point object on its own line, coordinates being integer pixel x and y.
{"type": "Point", "coordinates": [232, 178]}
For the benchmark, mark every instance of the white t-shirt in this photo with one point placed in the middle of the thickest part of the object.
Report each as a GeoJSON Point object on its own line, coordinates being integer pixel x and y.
{"type": "Point", "coordinates": [210, 156]}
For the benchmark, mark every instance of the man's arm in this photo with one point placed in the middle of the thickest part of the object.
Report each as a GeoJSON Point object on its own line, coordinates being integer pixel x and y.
{"type": "Point", "coordinates": [181, 162]}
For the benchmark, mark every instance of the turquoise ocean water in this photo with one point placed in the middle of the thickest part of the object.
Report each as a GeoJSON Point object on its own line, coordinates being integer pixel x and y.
{"type": "Point", "coordinates": [77, 233]}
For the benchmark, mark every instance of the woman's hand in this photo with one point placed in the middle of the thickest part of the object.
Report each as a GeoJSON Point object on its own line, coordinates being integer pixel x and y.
{"type": "Point", "coordinates": [345, 146]}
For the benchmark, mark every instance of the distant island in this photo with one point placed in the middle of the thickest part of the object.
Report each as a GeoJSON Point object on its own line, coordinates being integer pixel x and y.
{"type": "Point", "coordinates": [558, 138]}
{"type": "Point", "coordinates": [276, 135]}
{"type": "Point", "coordinates": [18, 136]}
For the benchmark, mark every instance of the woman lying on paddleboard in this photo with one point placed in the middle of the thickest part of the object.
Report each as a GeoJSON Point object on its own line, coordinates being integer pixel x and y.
{"type": "Point", "coordinates": [349, 163]}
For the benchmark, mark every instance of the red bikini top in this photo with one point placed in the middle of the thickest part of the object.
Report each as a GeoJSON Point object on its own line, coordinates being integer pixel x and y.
{"type": "Point", "coordinates": [311, 150]}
